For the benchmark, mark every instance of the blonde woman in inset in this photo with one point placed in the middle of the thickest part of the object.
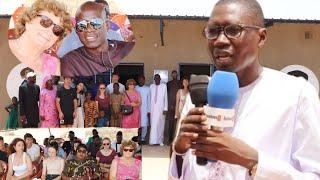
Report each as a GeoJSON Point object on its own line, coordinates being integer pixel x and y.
{"type": "Point", "coordinates": [40, 29]}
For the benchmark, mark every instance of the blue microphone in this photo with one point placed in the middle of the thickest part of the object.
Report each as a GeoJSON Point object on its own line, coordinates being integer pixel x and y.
{"type": "Point", "coordinates": [222, 94]}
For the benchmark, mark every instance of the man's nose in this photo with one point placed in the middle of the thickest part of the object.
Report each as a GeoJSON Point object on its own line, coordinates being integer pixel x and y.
{"type": "Point", "coordinates": [221, 40]}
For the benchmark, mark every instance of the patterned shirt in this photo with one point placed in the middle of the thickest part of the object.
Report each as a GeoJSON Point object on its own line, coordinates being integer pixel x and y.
{"type": "Point", "coordinates": [91, 112]}
{"type": "Point", "coordinates": [74, 168]}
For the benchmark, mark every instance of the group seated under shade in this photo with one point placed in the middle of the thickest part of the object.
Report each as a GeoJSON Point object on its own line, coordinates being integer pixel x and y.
{"type": "Point", "coordinates": [82, 161]}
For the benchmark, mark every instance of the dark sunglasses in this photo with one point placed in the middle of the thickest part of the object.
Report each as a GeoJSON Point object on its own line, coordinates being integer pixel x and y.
{"type": "Point", "coordinates": [82, 151]}
{"type": "Point", "coordinates": [106, 144]}
{"type": "Point", "coordinates": [47, 22]}
{"type": "Point", "coordinates": [95, 23]}
{"type": "Point", "coordinates": [130, 150]}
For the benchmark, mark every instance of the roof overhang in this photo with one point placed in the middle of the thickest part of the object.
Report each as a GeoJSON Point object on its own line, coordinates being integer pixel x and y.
{"type": "Point", "coordinates": [288, 11]}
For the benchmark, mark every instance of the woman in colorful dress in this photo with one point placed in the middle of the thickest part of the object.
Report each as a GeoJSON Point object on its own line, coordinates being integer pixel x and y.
{"type": "Point", "coordinates": [90, 111]}
{"type": "Point", "coordinates": [132, 97]}
{"type": "Point", "coordinates": [48, 110]}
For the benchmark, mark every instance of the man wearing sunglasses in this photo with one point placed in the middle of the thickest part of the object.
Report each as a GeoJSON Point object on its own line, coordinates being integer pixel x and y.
{"type": "Point", "coordinates": [277, 119]}
{"type": "Point", "coordinates": [97, 54]}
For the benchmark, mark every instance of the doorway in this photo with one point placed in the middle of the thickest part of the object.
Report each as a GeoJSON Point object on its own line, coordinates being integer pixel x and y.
{"type": "Point", "coordinates": [129, 71]}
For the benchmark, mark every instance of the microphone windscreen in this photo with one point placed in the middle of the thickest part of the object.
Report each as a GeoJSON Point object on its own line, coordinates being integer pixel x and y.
{"type": "Point", "coordinates": [223, 90]}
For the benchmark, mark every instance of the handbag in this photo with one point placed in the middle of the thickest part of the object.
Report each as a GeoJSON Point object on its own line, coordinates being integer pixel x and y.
{"type": "Point", "coordinates": [127, 109]}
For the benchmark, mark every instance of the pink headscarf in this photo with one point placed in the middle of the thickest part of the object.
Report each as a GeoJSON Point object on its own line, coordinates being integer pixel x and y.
{"type": "Point", "coordinates": [50, 64]}
{"type": "Point", "coordinates": [44, 82]}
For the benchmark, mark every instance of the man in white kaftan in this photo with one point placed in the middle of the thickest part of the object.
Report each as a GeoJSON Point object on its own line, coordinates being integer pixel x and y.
{"type": "Point", "coordinates": [276, 133]}
{"type": "Point", "coordinates": [159, 106]}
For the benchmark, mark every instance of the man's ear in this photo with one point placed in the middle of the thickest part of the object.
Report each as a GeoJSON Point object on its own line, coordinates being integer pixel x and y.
{"type": "Point", "coordinates": [263, 37]}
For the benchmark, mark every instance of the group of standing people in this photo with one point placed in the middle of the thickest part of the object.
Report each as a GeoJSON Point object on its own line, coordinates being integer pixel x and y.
{"type": "Point", "coordinates": [167, 101]}
{"type": "Point", "coordinates": [64, 106]}
{"type": "Point", "coordinates": [159, 105]}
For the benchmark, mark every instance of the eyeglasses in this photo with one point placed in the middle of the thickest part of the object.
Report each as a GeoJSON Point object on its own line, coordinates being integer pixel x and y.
{"type": "Point", "coordinates": [82, 151]}
{"type": "Point", "coordinates": [106, 144]}
{"type": "Point", "coordinates": [47, 22]}
{"type": "Point", "coordinates": [130, 150]}
{"type": "Point", "coordinates": [95, 23]}
{"type": "Point", "coordinates": [232, 31]}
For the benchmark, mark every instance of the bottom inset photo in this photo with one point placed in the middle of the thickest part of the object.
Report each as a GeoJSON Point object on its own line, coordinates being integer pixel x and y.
{"type": "Point", "coordinates": [70, 153]}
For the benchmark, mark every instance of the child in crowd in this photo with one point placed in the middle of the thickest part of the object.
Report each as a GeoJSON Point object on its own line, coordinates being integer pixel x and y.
{"type": "Point", "coordinates": [103, 120]}
{"type": "Point", "coordinates": [116, 99]}
{"type": "Point", "coordinates": [13, 119]}
{"type": "Point", "coordinates": [90, 110]}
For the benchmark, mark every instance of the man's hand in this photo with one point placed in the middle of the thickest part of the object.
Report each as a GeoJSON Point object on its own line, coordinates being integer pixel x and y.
{"type": "Point", "coordinates": [193, 125]}
{"type": "Point", "coordinates": [61, 116]}
{"type": "Point", "coordinates": [222, 146]}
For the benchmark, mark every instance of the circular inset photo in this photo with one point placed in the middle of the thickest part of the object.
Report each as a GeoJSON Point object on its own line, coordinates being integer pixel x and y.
{"type": "Point", "coordinates": [303, 72]}
{"type": "Point", "coordinates": [82, 38]}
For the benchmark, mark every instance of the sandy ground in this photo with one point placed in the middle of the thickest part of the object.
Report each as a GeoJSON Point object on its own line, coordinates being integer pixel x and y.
{"type": "Point", "coordinates": [155, 163]}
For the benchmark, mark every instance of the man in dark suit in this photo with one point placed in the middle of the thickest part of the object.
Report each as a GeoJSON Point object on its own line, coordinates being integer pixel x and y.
{"type": "Point", "coordinates": [29, 96]}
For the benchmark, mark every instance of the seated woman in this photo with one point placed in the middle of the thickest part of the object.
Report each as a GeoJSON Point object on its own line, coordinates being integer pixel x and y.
{"type": "Point", "coordinates": [60, 152]}
{"type": "Point", "coordinates": [82, 167]}
{"type": "Point", "coordinates": [53, 165]}
{"type": "Point", "coordinates": [126, 167]}
{"type": "Point", "coordinates": [20, 165]}
{"type": "Point", "coordinates": [105, 157]}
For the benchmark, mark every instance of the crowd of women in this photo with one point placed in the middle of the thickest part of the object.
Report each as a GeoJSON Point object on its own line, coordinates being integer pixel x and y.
{"type": "Point", "coordinates": [82, 161]}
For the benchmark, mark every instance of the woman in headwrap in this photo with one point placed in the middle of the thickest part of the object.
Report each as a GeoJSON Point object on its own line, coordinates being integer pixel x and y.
{"type": "Point", "coordinates": [48, 111]}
